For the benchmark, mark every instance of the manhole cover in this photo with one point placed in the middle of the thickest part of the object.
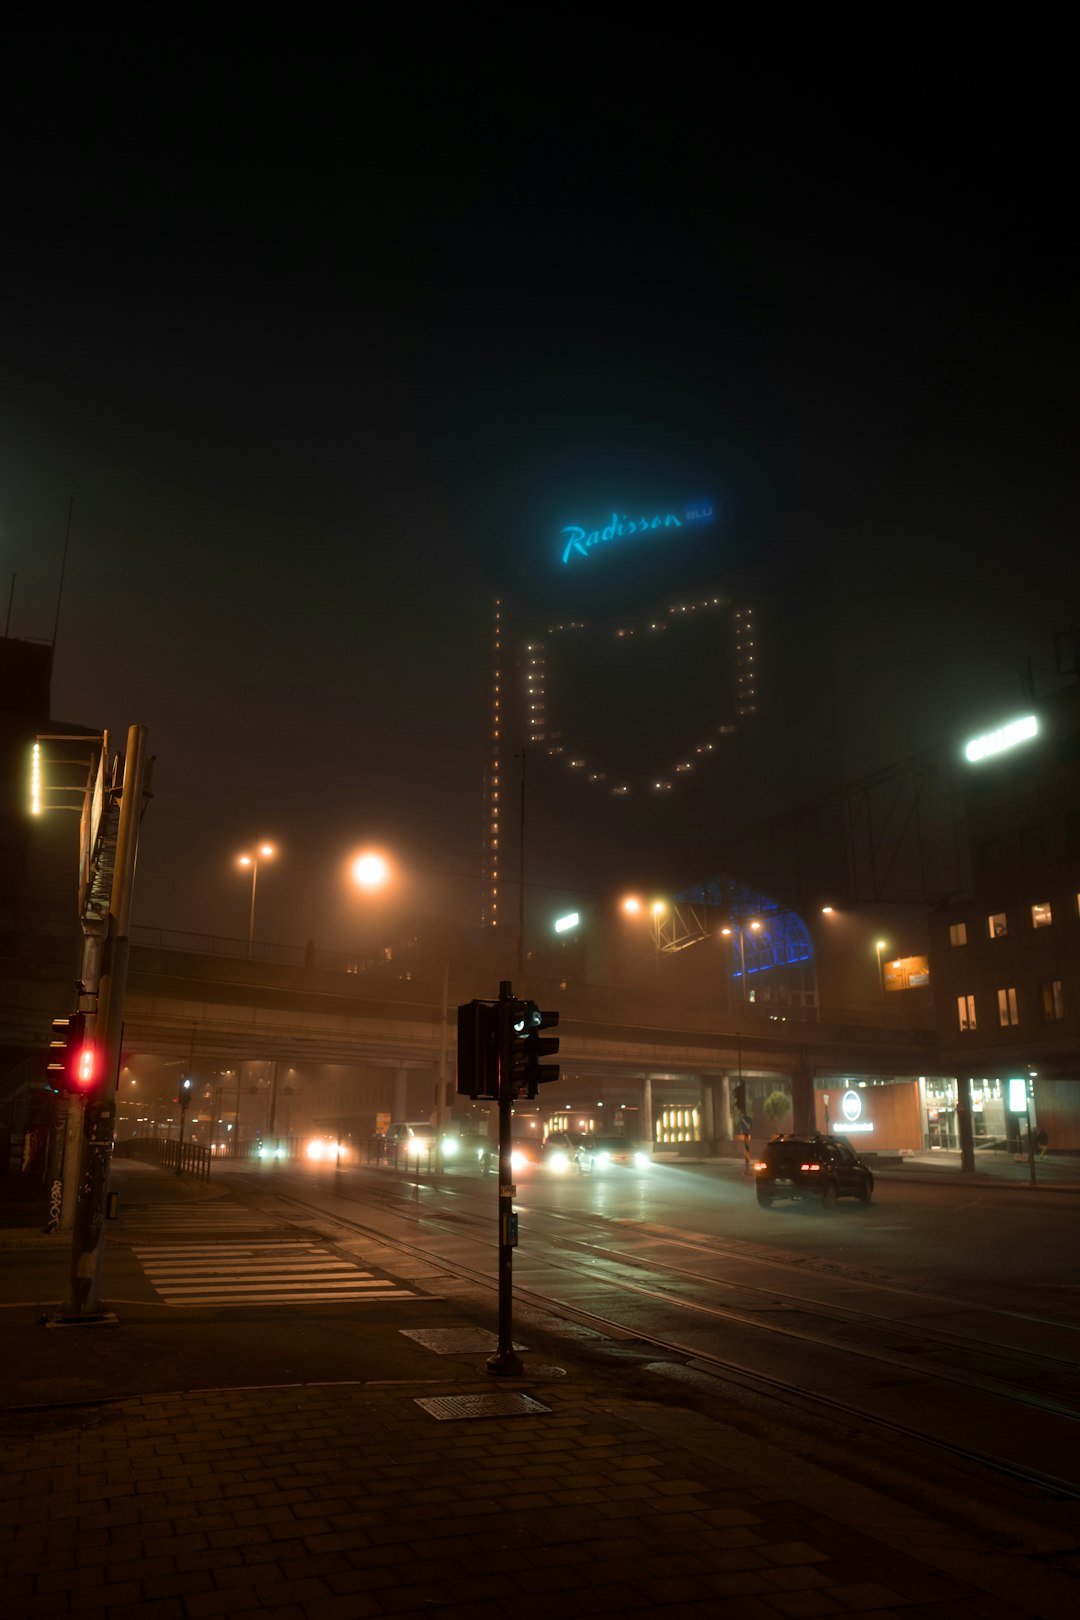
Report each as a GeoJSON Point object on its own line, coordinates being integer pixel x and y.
{"type": "Point", "coordinates": [455, 1407]}
{"type": "Point", "coordinates": [456, 1341]}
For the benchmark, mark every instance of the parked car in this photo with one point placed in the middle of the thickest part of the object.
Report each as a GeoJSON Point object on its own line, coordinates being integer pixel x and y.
{"type": "Point", "coordinates": [613, 1152]}
{"type": "Point", "coordinates": [811, 1169]}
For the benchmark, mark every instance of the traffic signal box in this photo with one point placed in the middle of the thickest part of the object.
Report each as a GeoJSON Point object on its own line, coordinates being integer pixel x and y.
{"type": "Point", "coordinates": [528, 1047]}
{"type": "Point", "coordinates": [478, 1051]}
{"type": "Point", "coordinates": [504, 1038]}
{"type": "Point", "coordinates": [74, 1059]}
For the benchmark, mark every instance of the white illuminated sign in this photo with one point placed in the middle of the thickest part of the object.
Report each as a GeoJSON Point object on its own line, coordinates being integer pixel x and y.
{"type": "Point", "coordinates": [996, 742]}
{"type": "Point", "coordinates": [1018, 1097]}
{"type": "Point", "coordinates": [851, 1106]}
{"type": "Point", "coordinates": [563, 923]}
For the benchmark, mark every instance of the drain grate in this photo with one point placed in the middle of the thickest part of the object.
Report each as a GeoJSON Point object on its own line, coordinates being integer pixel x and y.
{"type": "Point", "coordinates": [456, 1341]}
{"type": "Point", "coordinates": [449, 1408]}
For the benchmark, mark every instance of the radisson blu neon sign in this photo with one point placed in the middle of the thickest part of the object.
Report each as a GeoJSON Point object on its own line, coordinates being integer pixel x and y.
{"type": "Point", "coordinates": [578, 542]}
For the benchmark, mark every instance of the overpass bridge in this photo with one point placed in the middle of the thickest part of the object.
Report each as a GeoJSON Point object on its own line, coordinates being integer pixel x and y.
{"type": "Point", "coordinates": [189, 993]}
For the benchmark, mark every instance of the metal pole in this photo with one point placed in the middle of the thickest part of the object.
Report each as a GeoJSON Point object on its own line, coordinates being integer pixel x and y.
{"type": "Point", "coordinates": [88, 1241]}
{"type": "Point", "coordinates": [505, 1363]}
{"type": "Point", "coordinates": [273, 1103]}
{"type": "Point", "coordinates": [251, 920]}
{"type": "Point", "coordinates": [521, 877]}
{"type": "Point", "coordinates": [965, 1124]}
{"type": "Point", "coordinates": [440, 1105]}
{"type": "Point", "coordinates": [1031, 1140]}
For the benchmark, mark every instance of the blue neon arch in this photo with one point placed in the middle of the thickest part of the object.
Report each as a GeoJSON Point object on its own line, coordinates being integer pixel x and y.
{"type": "Point", "coordinates": [783, 942]}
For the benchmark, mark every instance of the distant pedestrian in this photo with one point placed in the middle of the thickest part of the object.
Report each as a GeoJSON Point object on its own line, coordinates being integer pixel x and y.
{"type": "Point", "coordinates": [1044, 1144]}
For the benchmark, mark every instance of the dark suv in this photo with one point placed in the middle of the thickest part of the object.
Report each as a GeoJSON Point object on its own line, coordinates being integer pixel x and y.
{"type": "Point", "coordinates": [812, 1169]}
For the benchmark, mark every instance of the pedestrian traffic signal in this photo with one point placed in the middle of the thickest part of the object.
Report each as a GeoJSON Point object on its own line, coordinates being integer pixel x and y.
{"type": "Point", "coordinates": [478, 1051]}
{"type": "Point", "coordinates": [740, 1098]}
{"type": "Point", "coordinates": [74, 1060]}
{"type": "Point", "coordinates": [187, 1086]}
{"type": "Point", "coordinates": [528, 1047]}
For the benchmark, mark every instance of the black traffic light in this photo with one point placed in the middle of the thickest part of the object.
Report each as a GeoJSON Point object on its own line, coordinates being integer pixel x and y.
{"type": "Point", "coordinates": [478, 1051]}
{"type": "Point", "coordinates": [74, 1059]}
{"type": "Point", "coordinates": [740, 1098]}
{"type": "Point", "coordinates": [528, 1047]}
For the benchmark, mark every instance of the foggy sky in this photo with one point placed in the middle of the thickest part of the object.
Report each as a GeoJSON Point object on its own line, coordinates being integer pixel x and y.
{"type": "Point", "coordinates": [325, 341]}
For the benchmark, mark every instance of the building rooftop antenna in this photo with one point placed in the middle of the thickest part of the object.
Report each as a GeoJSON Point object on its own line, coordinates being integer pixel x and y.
{"type": "Point", "coordinates": [63, 567]}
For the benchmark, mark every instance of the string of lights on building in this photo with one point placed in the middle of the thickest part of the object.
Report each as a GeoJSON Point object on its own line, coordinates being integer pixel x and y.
{"type": "Point", "coordinates": [539, 731]}
{"type": "Point", "coordinates": [489, 911]}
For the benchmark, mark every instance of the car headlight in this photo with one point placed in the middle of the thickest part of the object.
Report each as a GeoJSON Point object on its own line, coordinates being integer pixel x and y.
{"type": "Point", "coordinates": [518, 1161]}
{"type": "Point", "coordinates": [450, 1146]}
{"type": "Point", "coordinates": [603, 1160]}
{"type": "Point", "coordinates": [280, 1152]}
{"type": "Point", "coordinates": [417, 1146]}
{"type": "Point", "coordinates": [558, 1161]}
{"type": "Point", "coordinates": [316, 1149]}
{"type": "Point", "coordinates": [641, 1161]}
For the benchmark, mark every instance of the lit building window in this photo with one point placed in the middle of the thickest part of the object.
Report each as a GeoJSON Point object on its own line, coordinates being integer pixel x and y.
{"type": "Point", "coordinates": [997, 924]}
{"type": "Point", "coordinates": [958, 933]}
{"type": "Point", "coordinates": [1053, 1002]}
{"type": "Point", "coordinates": [1007, 1013]}
{"type": "Point", "coordinates": [965, 1011]}
{"type": "Point", "coordinates": [1042, 915]}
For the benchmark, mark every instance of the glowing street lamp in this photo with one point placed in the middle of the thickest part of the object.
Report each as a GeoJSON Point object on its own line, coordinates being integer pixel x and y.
{"type": "Point", "coordinates": [263, 852]}
{"type": "Point", "coordinates": [881, 945]}
{"type": "Point", "coordinates": [370, 870]}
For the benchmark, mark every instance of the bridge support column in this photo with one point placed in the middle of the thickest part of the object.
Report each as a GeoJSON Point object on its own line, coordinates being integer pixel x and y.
{"type": "Point", "coordinates": [725, 1124]}
{"type": "Point", "coordinates": [647, 1132]}
{"type": "Point", "coordinates": [401, 1094]}
{"type": "Point", "coordinates": [802, 1098]}
{"type": "Point", "coordinates": [708, 1115]}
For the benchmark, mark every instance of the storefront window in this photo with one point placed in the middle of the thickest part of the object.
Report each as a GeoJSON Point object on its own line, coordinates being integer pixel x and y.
{"type": "Point", "coordinates": [987, 1109]}
{"type": "Point", "coordinates": [941, 1114]}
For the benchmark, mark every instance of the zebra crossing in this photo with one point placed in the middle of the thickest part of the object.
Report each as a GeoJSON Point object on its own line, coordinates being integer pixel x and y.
{"type": "Point", "coordinates": [212, 1216]}
{"type": "Point", "coordinates": [261, 1273]}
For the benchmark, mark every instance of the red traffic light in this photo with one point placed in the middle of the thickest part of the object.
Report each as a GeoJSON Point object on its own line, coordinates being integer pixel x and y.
{"type": "Point", "coordinates": [74, 1058]}
{"type": "Point", "coordinates": [85, 1066]}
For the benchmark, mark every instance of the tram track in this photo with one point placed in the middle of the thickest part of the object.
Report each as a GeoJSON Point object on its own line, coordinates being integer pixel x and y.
{"type": "Point", "coordinates": [595, 1265]}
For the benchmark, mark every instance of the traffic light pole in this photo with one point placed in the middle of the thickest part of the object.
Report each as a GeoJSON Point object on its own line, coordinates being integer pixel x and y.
{"type": "Point", "coordinates": [506, 1363]}
{"type": "Point", "coordinates": [83, 1306]}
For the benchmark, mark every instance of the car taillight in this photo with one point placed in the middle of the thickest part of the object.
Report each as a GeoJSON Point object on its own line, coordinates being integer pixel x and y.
{"type": "Point", "coordinates": [809, 1167]}
{"type": "Point", "coordinates": [760, 1165]}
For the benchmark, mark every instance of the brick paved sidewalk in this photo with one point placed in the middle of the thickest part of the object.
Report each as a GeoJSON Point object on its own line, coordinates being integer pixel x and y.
{"type": "Point", "coordinates": [344, 1501]}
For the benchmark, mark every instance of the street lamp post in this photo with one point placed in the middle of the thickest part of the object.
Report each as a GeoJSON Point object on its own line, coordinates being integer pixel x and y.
{"type": "Point", "coordinates": [881, 945]}
{"type": "Point", "coordinates": [755, 927]}
{"type": "Point", "coordinates": [261, 853]}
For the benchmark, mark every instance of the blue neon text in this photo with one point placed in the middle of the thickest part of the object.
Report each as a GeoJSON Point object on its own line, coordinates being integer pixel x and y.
{"type": "Point", "coordinates": [581, 541]}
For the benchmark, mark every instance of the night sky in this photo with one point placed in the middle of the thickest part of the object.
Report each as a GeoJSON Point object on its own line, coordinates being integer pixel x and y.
{"type": "Point", "coordinates": [326, 338]}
